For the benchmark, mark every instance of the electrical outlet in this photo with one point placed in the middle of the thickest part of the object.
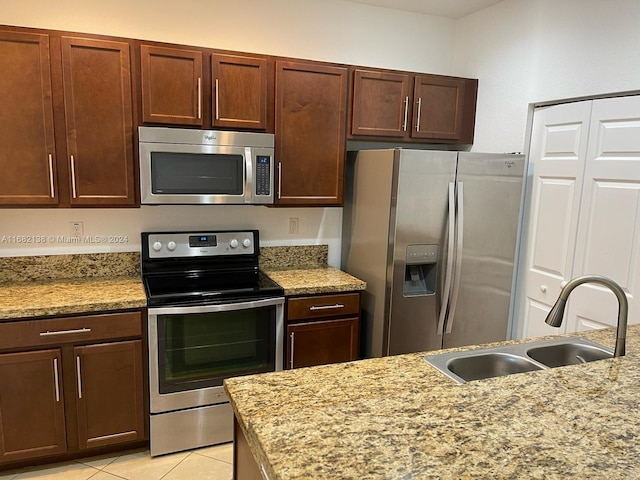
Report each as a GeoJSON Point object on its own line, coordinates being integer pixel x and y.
{"type": "Point", "coordinates": [293, 225]}
{"type": "Point", "coordinates": [77, 230]}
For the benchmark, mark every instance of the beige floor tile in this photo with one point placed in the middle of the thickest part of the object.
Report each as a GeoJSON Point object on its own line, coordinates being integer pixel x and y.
{"type": "Point", "coordinates": [222, 452]}
{"type": "Point", "coordinates": [103, 476]}
{"type": "Point", "coordinates": [101, 461]}
{"type": "Point", "coordinates": [66, 471]}
{"type": "Point", "coordinates": [201, 468]}
{"type": "Point", "coordinates": [140, 465]}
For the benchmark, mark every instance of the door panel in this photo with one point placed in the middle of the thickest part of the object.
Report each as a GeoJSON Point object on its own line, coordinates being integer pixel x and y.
{"type": "Point", "coordinates": [491, 187]}
{"type": "Point", "coordinates": [608, 241]}
{"type": "Point", "coordinates": [420, 205]}
{"type": "Point", "coordinates": [27, 157]}
{"type": "Point", "coordinates": [558, 148]}
{"type": "Point", "coordinates": [31, 405]}
{"type": "Point", "coordinates": [98, 113]}
{"type": "Point", "coordinates": [109, 393]}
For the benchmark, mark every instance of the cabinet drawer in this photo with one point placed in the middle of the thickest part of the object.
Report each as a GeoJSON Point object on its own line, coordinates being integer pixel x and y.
{"type": "Point", "coordinates": [30, 333]}
{"type": "Point", "coordinates": [321, 306]}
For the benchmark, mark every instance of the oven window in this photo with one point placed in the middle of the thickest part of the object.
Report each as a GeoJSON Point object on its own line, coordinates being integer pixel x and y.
{"type": "Point", "coordinates": [201, 350]}
{"type": "Point", "coordinates": [197, 173]}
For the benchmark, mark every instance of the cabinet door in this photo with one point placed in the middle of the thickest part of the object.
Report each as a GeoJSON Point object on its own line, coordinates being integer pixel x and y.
{"type": "Point", "coordinates": [27, 155]}
{"type": "Point", "coordinates": [322, 342]}
{"type": "Point", "coordinates": [380, 104]}
{"type": "Point", "coordinates": [240, 92]}
{"type": "Point", "coordinates": [310, 133]}
{"type": "Point", "coordinates": [109, 393]}
{"type": "Point", "coordinates": [99, 122]}
{"type": "Point", "coordinates": [438, 107]}
{"type": "Point", "coordinates": [31, 406]}
{"type": "Point", "coordinates": [171, 85]}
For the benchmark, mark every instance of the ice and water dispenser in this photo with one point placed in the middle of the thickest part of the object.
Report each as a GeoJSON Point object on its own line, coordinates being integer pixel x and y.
{"type": "Point", "coordinates": [421, 263]}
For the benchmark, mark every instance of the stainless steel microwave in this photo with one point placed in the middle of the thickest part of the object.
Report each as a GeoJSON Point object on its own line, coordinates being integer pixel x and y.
{"type": "Point", "coordinates": [181, 166]}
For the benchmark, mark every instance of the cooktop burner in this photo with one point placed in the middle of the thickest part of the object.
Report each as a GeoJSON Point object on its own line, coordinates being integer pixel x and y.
{"type": "Point", "coordinates": [203, 268]}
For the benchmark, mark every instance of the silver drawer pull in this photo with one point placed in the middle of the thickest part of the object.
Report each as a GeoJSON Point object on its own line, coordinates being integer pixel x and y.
{"type": "Point", "coordinates": [64, 332]}
{"type": "Point", "coordinates": [79, 375]}
{"type": "Point", "coordinates": [326, 307]}
{"type": "Point", "coordinates": [56, 379]}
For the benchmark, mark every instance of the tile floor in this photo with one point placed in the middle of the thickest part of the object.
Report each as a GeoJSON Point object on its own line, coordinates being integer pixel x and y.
{"type": "Point", "coordinates": [211, 463]}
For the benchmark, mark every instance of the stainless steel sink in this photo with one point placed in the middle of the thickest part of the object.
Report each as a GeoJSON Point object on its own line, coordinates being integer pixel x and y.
{"type": "Point", "coordinates": [567, 354]}
{"type": "Point", "coordinates": [468, 365]}
{"type": "Point", "coordinates": [475, 367]}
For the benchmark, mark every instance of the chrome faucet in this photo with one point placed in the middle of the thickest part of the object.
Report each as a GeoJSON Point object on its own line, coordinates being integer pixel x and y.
{"type": "Point", "coordinates": [554, 318]}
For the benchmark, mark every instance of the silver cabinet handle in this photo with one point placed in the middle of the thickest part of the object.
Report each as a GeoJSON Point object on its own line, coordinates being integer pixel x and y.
{"type": "Point", "coordinates": [326, 307]}
{"type": "Point", "coordinates": [64, 332]}
{"type": "Point", "coordinates": [406, 113]}
{"type": "Point", "coordinates": [217, 100]}
{"type": "Point", "coordinates": [293, 343]}
{"type": "Point", "coordinates": [56, 378]}
{"type": "Point", "coordinates": [199, 97]}
{"type": "Point", "coordinates": [52, 191]}
{"type": "Point", "coordinates": [79, 374]}
{"type": "Point", "coordinates": [73, 177]}
{"type": "Point", "coordinates": [279, 180]}
{"type": "Point", "coordinates": [419, 110]}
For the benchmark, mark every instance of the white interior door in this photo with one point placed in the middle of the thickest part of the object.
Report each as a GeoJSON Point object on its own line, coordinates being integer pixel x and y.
{"type": "Point", "coordinates": [557, 153]}
{"type": "Point", "coordinates": [608, 240]}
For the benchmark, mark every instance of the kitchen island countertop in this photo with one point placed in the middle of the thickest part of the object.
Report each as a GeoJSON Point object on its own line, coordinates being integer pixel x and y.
{"type": "Point", "coordinates": [399, 418]}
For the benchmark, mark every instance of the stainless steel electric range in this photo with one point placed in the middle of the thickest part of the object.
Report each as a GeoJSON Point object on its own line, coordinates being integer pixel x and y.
{"type": "Point", "coordinates": [212, 314]}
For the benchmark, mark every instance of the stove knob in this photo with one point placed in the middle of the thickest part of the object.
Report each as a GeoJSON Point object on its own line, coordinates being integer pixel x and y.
{"type": "Point", "coordinates": [171, 245]}
{"type": "Point", "coordinates": [157, 246]}
{"type": "Point", "coordinates": [246, 243]}
{"type": "Point", "coordinates": [233, 243]}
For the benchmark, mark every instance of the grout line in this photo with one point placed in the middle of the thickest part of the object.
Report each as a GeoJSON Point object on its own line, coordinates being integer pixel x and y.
{"type": "Point", "coordinates": [174, 467]}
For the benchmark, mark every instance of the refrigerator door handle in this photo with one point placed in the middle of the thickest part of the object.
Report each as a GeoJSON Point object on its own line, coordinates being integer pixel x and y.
{"type": "Point", "coordinates": [459, 242]}
{"type": "Point", "coordinates": [450, 259]}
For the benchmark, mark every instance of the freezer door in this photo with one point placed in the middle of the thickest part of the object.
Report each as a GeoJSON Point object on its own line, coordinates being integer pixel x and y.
{"type": "Point", "coordinates": [491, 187]}
{"type": "Point", "coordinates": [418, 227]}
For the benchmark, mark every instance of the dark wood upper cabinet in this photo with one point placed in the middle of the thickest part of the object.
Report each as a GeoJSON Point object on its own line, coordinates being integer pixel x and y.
{"type": "Point", "coordinates": [99, 121]}
{"type": "Point", "coordinates": [172, 83]}
{"type": "Point", "coordinates": [27, 152]}
{"type": "Point", "coordinates": [32, 421]}
{"type": "Point", "coordinates": [310, 132]}
{"type": "Point", "coordinates": [438, 109]}
{"type": "Point", "coordinates": [109, 393]}
{"type": "Point", "coordinates": [380, 104]}
{"type": "Point", "coordinates": [240, 92]}
{"type": "Point", "coordinates": [412, 107]}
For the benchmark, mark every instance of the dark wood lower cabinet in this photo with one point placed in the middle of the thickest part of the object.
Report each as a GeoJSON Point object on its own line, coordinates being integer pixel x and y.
{"type": "Point", "coordinates": [77, 385]}
{"type": "Point", "coordinates": [32, 421]}
{"type": "Point", "coordinates": [244, 463]}
{"type": "Point", "coordinates": [322, 329]}
{"type": "Point", "coordinates": [109, 387]}
{"type": "Point", "coordinates": [322, 342]}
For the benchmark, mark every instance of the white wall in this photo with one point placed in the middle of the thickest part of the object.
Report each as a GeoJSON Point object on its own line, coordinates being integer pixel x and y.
{"type": "Point", "coordinates": [526, 51]}
{"type": "Point", "coordinates": [326, 30]}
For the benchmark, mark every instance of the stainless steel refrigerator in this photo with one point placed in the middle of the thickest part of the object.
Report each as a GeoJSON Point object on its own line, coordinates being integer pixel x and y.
{"type": "Point", "coordinates": [434, 235]}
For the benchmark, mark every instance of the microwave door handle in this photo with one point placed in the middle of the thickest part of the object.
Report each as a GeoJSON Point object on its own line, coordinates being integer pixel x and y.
{"type": "Point", "coordinates": [248, 175]}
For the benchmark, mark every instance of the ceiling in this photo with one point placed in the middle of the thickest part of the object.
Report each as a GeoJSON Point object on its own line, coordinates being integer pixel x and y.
{"type": "Point", "coordinates": [439, 8]}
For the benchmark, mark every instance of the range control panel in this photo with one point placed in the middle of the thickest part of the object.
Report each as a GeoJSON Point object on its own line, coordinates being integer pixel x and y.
{"type": "Point", "coordinates": [200, 244]}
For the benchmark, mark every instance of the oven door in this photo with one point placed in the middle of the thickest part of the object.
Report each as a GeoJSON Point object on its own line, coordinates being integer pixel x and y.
{"type": "Point", "coordinates": [193, 349]}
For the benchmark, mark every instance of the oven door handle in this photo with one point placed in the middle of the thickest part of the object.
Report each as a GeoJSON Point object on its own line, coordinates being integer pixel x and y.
{"type": "Point", "coordinates": [223, 307]}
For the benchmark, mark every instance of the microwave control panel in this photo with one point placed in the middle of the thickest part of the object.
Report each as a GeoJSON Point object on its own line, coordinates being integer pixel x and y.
{"type": "Point", "coordinates": [263, 175]}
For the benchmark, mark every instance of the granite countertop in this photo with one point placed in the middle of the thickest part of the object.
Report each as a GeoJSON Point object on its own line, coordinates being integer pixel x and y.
{"type": "Point", "coordinates": [57, 285]}
{"type": "Point", "coordinates": [70, 296]}
{"type": "Point", "coordinates": [317, 280]}
{"type": "Point", "coordinates": [399, 418]}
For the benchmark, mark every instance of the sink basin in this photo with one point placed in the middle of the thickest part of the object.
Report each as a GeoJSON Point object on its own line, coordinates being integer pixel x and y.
{"type": "Point", "coordinates": [567, 354]}
{"type": "Point", "coordinates": [468, 365]}
{"type": "Point", "coordinates": [476, 367]}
